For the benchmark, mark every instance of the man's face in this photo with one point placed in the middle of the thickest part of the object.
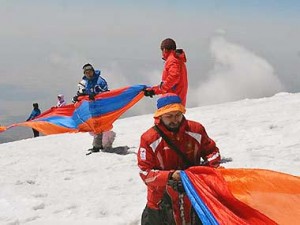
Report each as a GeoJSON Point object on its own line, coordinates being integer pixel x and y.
{"type": "Point", "coordinates": [89, 74]}
{"type": "Point", "coordinates": [172, 120]}
{"type": "Point", "coordinates": [164, 53]}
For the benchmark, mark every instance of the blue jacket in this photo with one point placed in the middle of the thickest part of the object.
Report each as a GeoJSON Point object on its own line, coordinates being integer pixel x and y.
{"type": "Point", "coordinates": [35, 112]}
{"type": "Point", "coordinates": [94, 86]}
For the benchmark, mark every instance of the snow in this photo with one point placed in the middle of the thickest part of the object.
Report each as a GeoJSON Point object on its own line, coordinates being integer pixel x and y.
{"type": "Point", "coordinates": [49, 180]}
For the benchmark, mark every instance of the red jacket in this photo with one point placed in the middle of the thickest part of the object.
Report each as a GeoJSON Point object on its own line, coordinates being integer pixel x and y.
{"type": "Point", "coordinates": [174, 76]}
{"type": "Point", "coordinates": [157, 161]}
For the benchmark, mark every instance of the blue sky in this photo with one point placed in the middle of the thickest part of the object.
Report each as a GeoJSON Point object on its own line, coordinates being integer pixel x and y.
{"type": "Point", "coordinates": [44, 45]}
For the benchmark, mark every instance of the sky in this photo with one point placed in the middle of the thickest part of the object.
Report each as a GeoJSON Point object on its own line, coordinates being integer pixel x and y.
{"type": "Point", "coordinates": [49, 180]}
{"type": "Point", "coordinates": [235, 49]}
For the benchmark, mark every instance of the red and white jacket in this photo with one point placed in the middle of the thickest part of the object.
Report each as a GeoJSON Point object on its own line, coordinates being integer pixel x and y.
{"type": "Point", "coordinates": [157, 161]}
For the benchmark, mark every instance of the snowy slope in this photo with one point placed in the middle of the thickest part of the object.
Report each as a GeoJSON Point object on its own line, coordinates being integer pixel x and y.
{"type": "Point", "coordinates": [49, 180]}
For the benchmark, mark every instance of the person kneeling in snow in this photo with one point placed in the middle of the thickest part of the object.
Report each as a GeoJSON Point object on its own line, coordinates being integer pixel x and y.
{"type": "Point", "coordinates": [172, 145]}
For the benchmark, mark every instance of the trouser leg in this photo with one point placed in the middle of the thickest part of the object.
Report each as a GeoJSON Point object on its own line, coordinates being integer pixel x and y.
{"type": "Point", "coordinates": [35, 133]}
{"type": "Point", "coordinates": [151, 217]}
{"type": "Point", "coordinates": [108, 138]}
{"type": "Point", "coordinates": [97, 142]}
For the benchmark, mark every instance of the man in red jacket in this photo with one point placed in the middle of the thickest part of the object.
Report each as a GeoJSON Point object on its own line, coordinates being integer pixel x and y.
{"type": "Point", "coordinates": [160, 164]}
{"type": "Point", "coordinates": [174, 76]}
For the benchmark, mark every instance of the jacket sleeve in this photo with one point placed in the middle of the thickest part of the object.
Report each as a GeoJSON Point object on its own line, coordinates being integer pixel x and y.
{"type": "Point", "coordinates": [147, 158]}
{"type": "Point", "coordinates": [173, 70]}
{"type": "Point", "coordinates": [31, 116]}
{"type": "Point", "coordinates": [82, 87]}
{"type": "Point", "coordinates": [210, 152]}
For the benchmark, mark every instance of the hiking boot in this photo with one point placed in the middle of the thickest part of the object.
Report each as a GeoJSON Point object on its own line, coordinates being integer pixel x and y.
{"type": "Point", "coordinates": [95, 149]}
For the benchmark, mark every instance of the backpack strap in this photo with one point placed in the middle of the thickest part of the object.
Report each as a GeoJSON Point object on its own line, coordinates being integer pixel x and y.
{"type": "Point", "coordinates": [174, 147]}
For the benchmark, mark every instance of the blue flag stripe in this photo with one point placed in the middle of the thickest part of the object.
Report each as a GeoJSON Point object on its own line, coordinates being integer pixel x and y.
{"type": "Point", "coordinates": [201, 209]}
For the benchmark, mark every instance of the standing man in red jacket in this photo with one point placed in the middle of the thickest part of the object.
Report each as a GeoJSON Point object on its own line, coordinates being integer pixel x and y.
{"type": "Point", "coordinates": [174, 76]}
{"type": "Point", "coordinates": [160, 164]}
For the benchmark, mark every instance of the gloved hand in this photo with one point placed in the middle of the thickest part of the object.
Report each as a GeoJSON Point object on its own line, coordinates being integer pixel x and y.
{"type": "Point", "coordinates": [176, 185]}
{"type": "Point", "coordinates": [149, 92]}
{"type": "Point", "coordinates": [75, 99]}
{"type": "Point", "coordinates": [92, 96]}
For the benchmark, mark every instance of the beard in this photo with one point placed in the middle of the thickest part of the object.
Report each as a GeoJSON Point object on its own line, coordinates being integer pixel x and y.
{"type": "Point", "coordinates": [174, 127]}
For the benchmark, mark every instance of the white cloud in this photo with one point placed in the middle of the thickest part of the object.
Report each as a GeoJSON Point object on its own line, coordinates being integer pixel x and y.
{"type": "Point", "coordinates": [238, 73]}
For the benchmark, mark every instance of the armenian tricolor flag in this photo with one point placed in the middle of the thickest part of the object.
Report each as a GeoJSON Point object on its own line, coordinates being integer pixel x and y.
{"type": "Point", "coordinates": [86, 115]}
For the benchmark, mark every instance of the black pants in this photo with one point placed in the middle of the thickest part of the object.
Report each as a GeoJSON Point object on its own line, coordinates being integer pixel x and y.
{"type": "Point", "coordinates": [153, 217]}
{"type": "Point", "coordinates": [35, 133]}
{"type": "Point", "coordinates": [156, 217]}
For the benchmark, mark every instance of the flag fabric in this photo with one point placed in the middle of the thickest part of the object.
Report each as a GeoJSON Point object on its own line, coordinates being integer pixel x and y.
{"type": "Point", "coordinates": [243, 196]}
{"type": "Point", "coordinates": [86, 115]}
{"type": "Point", "coordinates": [2, 128]}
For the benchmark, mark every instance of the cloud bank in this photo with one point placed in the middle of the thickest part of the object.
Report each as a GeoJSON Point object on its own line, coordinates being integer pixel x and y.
{"type": "Point", "coordinates": [237, 73]}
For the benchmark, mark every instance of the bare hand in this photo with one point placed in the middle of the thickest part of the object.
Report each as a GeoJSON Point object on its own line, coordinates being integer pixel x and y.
{"type": "Point", "coordinates": [176, 175]}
